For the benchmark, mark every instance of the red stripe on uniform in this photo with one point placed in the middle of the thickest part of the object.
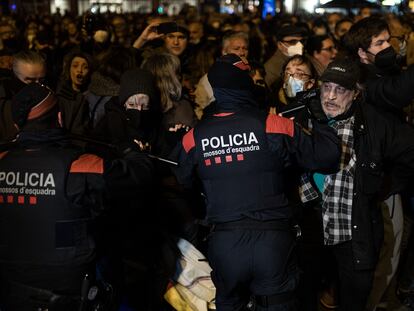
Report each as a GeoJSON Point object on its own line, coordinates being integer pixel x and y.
{"type": "Point", "coordinates": [32, 200]}
{"type": "Point", "coordinates": [188, 141]}
{"type": "Point", "coordinates": [88, 163]}
{"type": "Point", "coordinates": [223, 114]}
{"type": "Point", "coordinates": [3, 154]}
{"type": "Point", "coordinates": [242, 65]}
{"type": "Point", "coordinates": [44, 106]}
{"type": "Point", "coordinates": [279, 125]}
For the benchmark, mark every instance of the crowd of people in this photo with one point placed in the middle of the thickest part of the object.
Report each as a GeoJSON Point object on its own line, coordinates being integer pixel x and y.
{"type": "Point", "coordinates": [282, 148]}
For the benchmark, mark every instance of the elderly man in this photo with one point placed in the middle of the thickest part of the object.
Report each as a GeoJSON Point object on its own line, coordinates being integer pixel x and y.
{"type": "Point", "coordinates": [233, 43]}
{"type": "Point", "coordinates": [350, 199]}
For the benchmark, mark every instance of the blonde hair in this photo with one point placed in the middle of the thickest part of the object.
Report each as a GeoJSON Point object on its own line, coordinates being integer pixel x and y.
{"type": "Point", "coordinates": [165, 67]}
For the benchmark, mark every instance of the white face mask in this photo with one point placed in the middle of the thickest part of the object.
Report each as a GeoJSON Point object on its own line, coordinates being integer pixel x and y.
{"type": "Point", "coordinates": [293, 86]}
{"type": "Point", "coordinates": [138, 102]}
{"type": "Point", "coordinates": [296, 49]}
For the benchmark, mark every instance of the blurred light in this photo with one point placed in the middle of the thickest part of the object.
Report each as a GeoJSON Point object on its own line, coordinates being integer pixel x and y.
{"type": "Point", "coordinates": [94, 9]}
{"type": "Point", "coordinates": [268, 8]}
{"type": "Point", "coordinates": [13, 7]}
{"type": "Point", "coordinates": [319, 10]}
{"type": "Point", "coordinates": [160, 10]}
{"type": "Point", "coordinates": [228, 1]}
{"type": "Point", "coordinates": [391, 2]}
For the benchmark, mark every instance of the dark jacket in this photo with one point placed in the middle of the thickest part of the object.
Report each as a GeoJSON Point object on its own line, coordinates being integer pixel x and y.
{"type": "Point", "coordinates": [73, 108]}
{"type": "Point", "coordinates": [244, 177]}
{"type": "Point", "coordinates": [8, 88]}
{"type": "Point", "coordinates": [381, 145]}
{"type": "Point", "coordinates": [85, 183]}
{"type": "Point", "coordinates": [389, 91]}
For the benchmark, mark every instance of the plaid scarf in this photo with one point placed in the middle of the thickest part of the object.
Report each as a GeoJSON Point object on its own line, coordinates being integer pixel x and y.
{"type": "Point", "coordinates": [337, 195]}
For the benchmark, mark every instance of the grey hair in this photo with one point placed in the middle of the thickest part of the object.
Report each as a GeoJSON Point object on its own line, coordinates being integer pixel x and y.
{"type": "Point", "coordinates": [28, 57]}
{"type": "Point", "coordinates": [234, 35]}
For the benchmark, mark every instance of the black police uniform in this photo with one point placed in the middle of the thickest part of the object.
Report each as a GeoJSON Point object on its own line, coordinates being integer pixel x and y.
{"type": "Point", "coordinates": [49, 194]}
{"type": "Point", "coordinates": [240, 156]}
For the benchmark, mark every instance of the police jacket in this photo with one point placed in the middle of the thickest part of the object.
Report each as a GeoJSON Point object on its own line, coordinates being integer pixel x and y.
{"type": "Point", "coordinates": [381, 144]}
{"type": "Point", "coordinates": [50, 193]}
{"type": "Point", "coordinates": [240, 157]}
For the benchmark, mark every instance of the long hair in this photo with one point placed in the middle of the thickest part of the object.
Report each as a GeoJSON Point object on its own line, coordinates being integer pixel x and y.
{"type": "Point", "coordinates": [166, 69]}
{"type": "Point", "coordinates": [67, 62]}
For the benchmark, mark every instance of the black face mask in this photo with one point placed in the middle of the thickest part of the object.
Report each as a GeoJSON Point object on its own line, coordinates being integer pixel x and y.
{"type": "Point", "coordinates": [140, 121]}
{"type": "Point", "coordinates": [134, 117]}
{"type": "Point", "coordinates": [386, 59]}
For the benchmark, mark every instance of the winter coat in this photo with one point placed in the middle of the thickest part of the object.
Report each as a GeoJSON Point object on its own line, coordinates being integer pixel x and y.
{"type": "Point", "coordinates": [73, 108]}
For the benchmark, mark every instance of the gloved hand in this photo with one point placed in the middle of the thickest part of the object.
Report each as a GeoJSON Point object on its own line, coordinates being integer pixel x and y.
{"type": "Point", "coordinates": [312, 100]}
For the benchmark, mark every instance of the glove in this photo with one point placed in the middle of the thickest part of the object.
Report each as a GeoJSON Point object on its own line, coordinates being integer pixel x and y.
{"type": "Point", "coordinates": [312, 100]}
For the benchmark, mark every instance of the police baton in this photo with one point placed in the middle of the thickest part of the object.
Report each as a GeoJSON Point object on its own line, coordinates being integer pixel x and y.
{"type": "Point", "coordinates": [292, 110]}
{"type": "Point", "coordinates": [112, 146]}
{"type": "Point", "coordinates": [162, 159]}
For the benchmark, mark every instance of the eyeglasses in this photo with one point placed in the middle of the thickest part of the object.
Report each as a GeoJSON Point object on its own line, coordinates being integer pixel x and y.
{"type": "Point", "coordinates": [329, 48]}
{"type": "Point", "coordinates": [297, 75]}
{"type": "Point", "coordinates": [294, 41]}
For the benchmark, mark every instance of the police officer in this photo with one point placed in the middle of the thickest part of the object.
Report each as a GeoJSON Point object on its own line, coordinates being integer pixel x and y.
{"type": "Point", "coordinates": [50, 193]}
{"type": "Point", "coordinates": [240, 155]}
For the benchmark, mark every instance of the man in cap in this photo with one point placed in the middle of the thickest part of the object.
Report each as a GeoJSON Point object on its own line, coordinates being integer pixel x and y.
{"type": "Point", "coordinates": [175, 37]}
{"type": "Point", "coordinates": [240, 154]}
{"type": "Point", "coordinates": [50, 194]}
{"type": "Point", "coordinates": [290, 41]}
{"type": "Point", "coordinates": [350, 199]}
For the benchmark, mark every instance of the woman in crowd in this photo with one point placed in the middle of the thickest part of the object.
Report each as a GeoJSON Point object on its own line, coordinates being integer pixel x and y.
{"type": "Point", "coordinates": [77, 69]}
{"type": "Point", "coordinates": [177, 117]}
{"type": "Point", "coordinates": [298, 75]}
{"type": "Point", "coordinates": [177, 110]}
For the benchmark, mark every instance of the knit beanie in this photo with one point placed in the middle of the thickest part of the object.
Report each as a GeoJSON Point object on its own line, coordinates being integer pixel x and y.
{"type": "Point", "coordinates": [230, 72]}
{"type": "Point", "coordinates": [31, 102]}
{"type": "Point", "coordinates": [169, 27]}
{"type": "Point", "coordinates": [137, 81]}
